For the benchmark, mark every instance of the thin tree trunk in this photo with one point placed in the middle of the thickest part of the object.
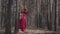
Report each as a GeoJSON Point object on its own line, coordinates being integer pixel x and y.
{"type": "Point", "coordinates": [16, 18]}
{"type": "Point", "coordinates": [55, 15]}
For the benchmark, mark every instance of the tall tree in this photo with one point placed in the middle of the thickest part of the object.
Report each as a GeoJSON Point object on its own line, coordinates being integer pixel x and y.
{"type": "Point", "coordinates": [8, 4]}
{"type": "Point", "coordinates": [16, 17]}
{"type": "Point", "coordinates": [55, 23]}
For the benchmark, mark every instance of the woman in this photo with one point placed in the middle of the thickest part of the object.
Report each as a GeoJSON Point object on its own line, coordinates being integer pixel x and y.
{"type": "Point", "coordinates": [23, 21]}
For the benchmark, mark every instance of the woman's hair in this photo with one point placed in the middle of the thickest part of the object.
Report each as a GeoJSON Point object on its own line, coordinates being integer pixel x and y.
{"type": "Point", "coordinates": [25, 11]}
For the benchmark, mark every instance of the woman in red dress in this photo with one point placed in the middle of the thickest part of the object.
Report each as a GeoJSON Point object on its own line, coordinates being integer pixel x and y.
{"type": "Point", "coordinates": [22, 23]}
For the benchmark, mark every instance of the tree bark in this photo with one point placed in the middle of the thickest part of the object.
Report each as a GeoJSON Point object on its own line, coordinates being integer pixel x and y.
{"type": "Point", "coordinates": [8, 4]}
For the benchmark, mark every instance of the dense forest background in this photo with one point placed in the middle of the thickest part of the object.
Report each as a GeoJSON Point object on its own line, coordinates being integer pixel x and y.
{"type": "Point", "coordinates": [42, 14]}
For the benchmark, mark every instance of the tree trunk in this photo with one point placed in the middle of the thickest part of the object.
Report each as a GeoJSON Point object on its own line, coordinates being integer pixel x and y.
{"type": "Point", "coordinates": [8, 4]}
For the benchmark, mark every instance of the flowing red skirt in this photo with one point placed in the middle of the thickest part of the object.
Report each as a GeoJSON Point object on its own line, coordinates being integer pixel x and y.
{"type": "Point", "coordinates": [22, 23]}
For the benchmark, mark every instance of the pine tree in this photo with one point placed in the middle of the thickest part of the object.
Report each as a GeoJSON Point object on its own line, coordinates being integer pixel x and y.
{"type": "Point", "coordinates": [8, 4]}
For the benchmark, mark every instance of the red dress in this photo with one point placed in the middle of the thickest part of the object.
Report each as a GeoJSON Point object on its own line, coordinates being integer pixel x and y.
{"type": "Point", "coordinates": [23, 22]}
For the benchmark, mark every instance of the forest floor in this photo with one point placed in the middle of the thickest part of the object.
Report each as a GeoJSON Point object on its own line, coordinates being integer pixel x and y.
{"type": "Point", "coordinates": [33, 31]}
{"type": "Point", "coordinates": [36, 31]}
